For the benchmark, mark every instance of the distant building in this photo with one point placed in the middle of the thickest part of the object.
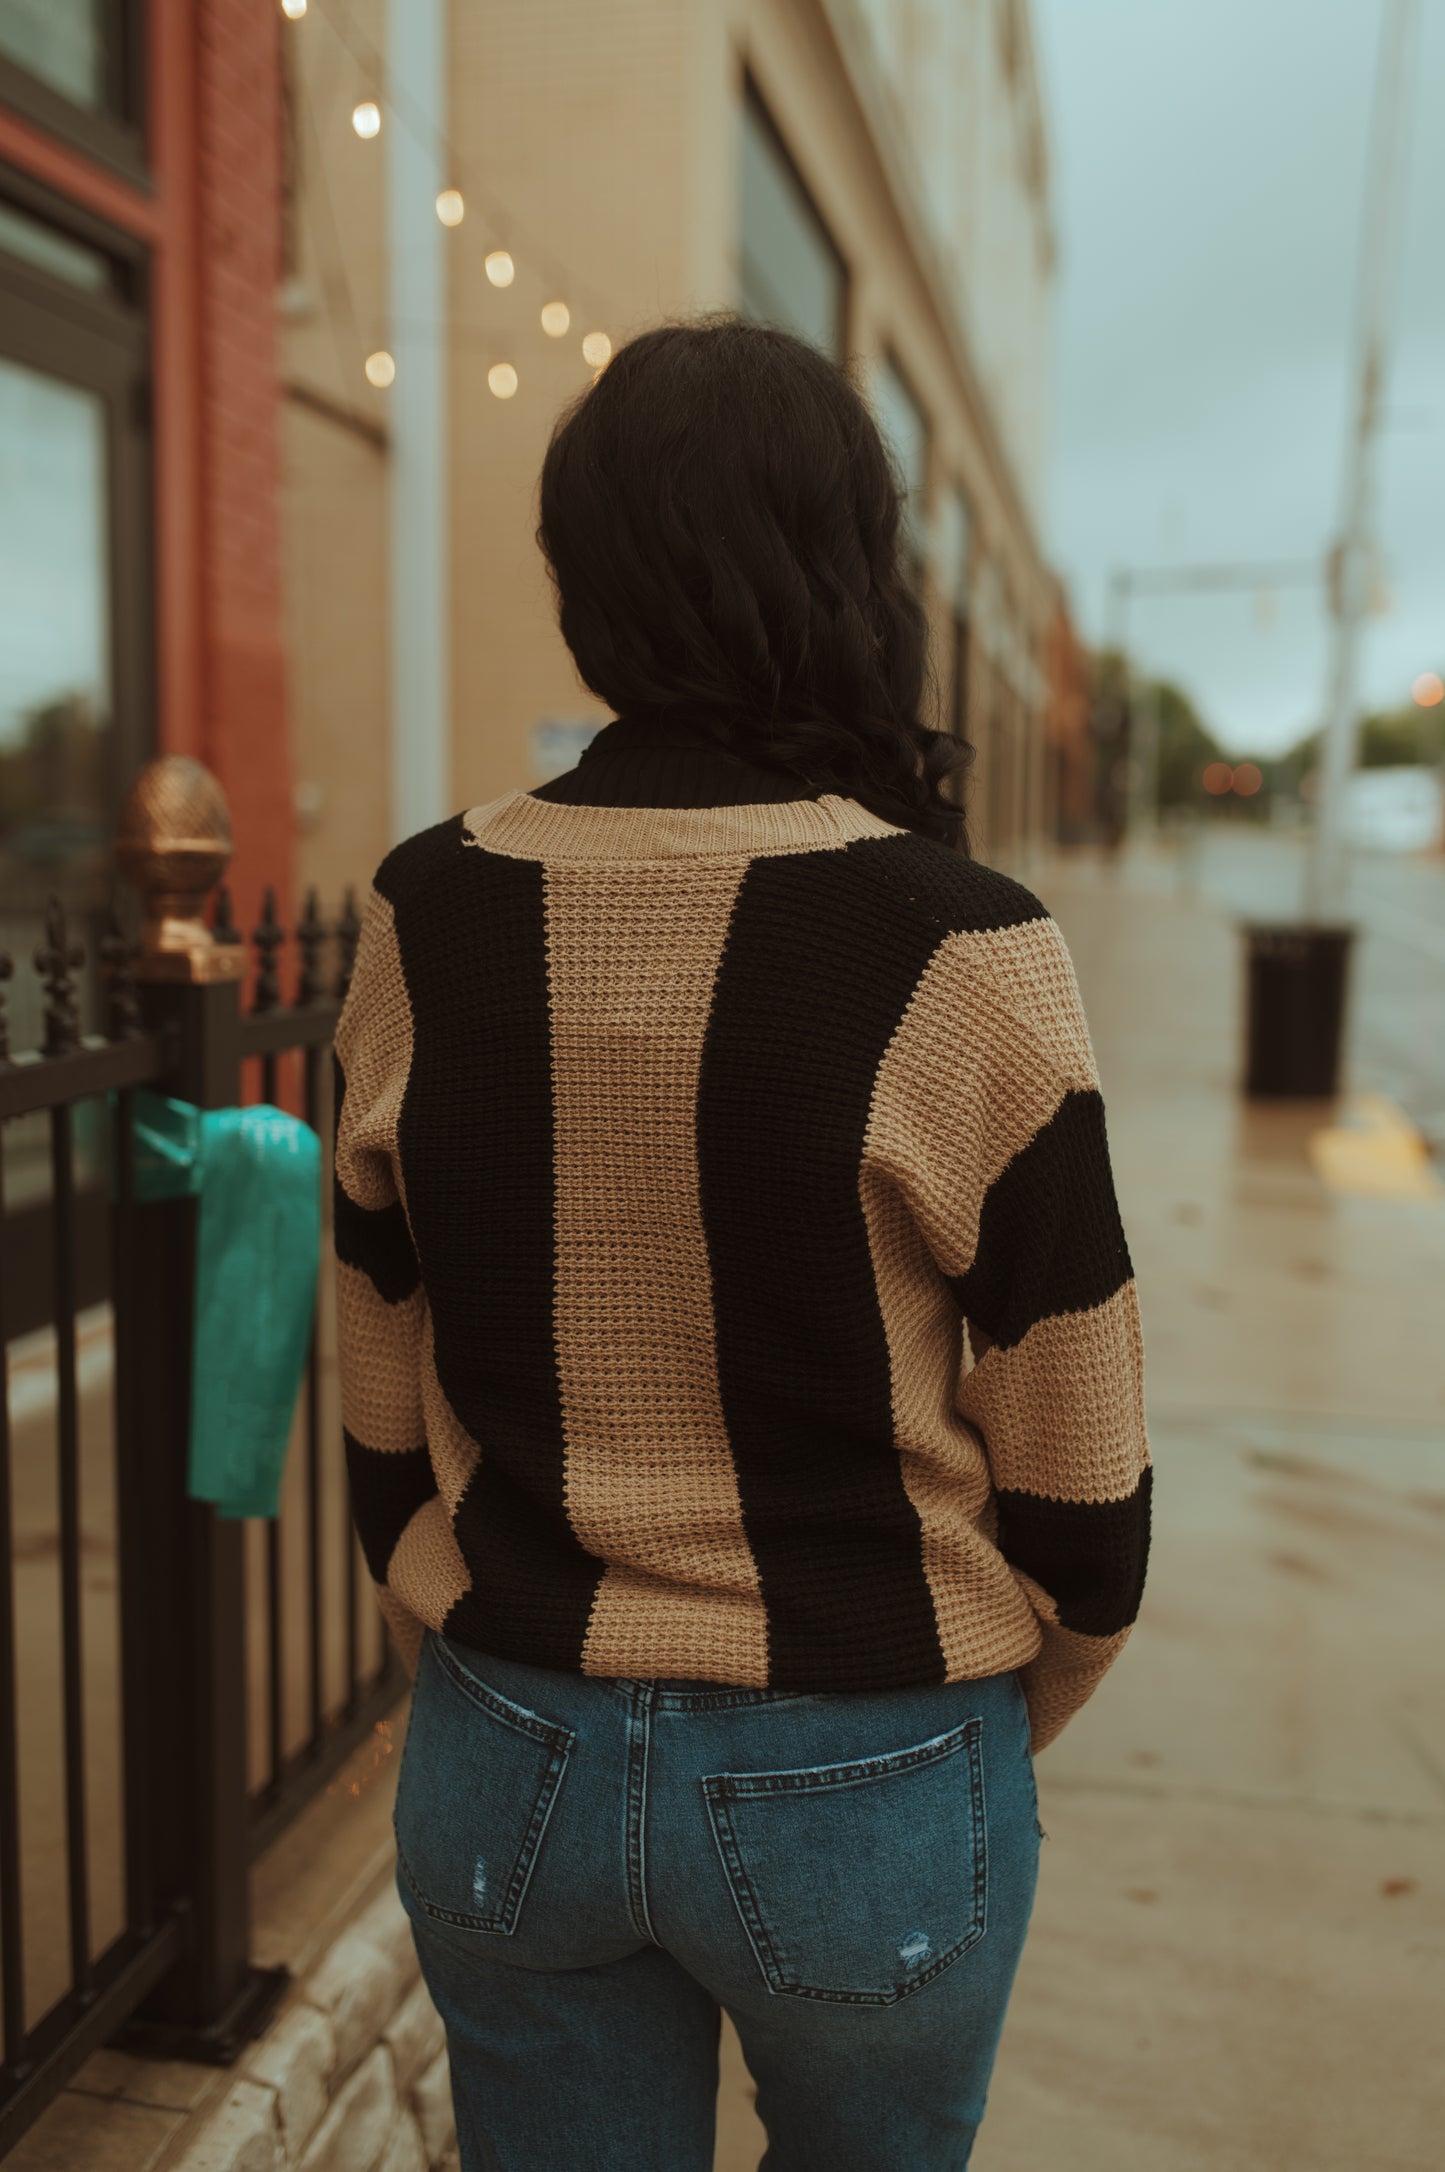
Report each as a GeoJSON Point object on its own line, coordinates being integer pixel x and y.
{"type": "Point", "coordinates": [871, 173]}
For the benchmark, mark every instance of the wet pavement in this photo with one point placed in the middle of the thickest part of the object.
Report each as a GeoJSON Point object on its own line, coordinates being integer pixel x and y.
{"type": "Point", "coordinates": [1237, 1962]}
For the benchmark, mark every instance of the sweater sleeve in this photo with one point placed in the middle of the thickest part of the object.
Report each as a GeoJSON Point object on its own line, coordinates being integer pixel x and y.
{"type": "Point", "coordinates": [381, 1306]}
{"type": "Point", "coordinates": [998, 1143]}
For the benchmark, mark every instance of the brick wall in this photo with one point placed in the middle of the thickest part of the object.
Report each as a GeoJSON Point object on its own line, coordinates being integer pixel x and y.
{"type": "Point", "coordinates": [237, 169]}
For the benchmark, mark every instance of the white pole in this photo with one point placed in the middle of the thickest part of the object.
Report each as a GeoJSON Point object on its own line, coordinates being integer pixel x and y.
{"type": "Point", "coordinates": [1328, 865]}
{"type": "Point", "coordinates": [421, 786]}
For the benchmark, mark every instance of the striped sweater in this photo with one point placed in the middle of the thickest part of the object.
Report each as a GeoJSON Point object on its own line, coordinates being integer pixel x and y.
{"type": "Point", "coordinates": [731, 1283]}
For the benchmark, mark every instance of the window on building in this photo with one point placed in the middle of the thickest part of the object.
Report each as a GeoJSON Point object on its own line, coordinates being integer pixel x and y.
{"type": "Point", "coordinates": [790, 273]}
{"type": "Point", "coordinates": [74, 544]}
{"type": "Point", "coordinates": [73, 66]}
{"type": "Point", "coordinates": [75, 645]}
{"type": "Point", "coordinates": [905, 431]}
{"type": "Point", "coordinates": [31, 241]}
{"type": "Point", "coordinates": [954, 545]}
{"type": "Point", "coordinates": [60, 41]}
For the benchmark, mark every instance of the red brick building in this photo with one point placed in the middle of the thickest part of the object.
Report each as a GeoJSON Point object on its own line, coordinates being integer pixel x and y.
{"type": "Point", "coordinates": [140, 235]}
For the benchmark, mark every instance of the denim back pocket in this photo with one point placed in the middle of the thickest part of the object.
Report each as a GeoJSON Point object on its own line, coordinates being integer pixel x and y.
{"type": "Point", "coordinates": [479, 1779]}
{"type": "Point", "coordinates": [858, 1883]}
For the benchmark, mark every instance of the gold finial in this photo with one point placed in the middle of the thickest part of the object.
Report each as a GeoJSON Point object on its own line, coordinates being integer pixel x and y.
{"type": "Point", "coordinates": [173, 846]}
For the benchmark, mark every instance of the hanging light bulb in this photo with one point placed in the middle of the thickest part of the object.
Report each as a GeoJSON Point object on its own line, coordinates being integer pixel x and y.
{"type": "Point", "coordinates": [556, 317]}
{"type": "Point", "coordinates": [366, 119]}
{"type": "Point", "coordinates": [450, 208]}
{"type": "Point", "coordinates": [293, 10]}
{"type": "Point", "coordinates": [597, 349]}
{"type": "Point", "coordinates": [502, 380]}
{"type": "Point", "coordinates": [380, 369]}
{"type": "Point", "coordinates": [499, 268]}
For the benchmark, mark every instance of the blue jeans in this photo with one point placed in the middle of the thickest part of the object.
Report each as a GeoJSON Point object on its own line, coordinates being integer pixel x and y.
{"type": "Point", "coordinates": [594, 1868]}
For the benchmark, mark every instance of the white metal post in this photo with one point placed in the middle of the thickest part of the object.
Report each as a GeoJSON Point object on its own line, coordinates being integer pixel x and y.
{"type": "Point", "coordinates": [421, 788]}
{"type": "Point", "coordinates": [1328, 868]}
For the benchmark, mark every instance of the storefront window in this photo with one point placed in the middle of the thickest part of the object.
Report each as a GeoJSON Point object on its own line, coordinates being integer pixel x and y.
{"type": "Point", "coordinates": [74, 637]}
{"type": "Point", "coordinates": [75, 642]}
{"type": "Point", "coordinates": [55, 798]}
{"type": "Point", "coordinates": [54, 634]}
{"type": "Point", "coordinates": [790, 274]}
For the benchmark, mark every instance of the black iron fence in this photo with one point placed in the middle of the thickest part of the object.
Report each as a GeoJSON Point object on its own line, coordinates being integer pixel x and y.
{"type": "Point", "coordinates": [173, 1685]}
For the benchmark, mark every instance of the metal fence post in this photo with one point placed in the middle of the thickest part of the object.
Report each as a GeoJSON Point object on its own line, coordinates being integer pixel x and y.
{"type": "Point", "coordinates": [189, 1731]}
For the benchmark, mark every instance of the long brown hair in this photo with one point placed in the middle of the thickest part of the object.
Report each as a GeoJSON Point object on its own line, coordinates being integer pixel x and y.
{"type": "Point", "coordinates": [722, 524]}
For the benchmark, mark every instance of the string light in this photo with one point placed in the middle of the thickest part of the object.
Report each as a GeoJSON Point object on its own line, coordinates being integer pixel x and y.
{"type": "Point", "coordinates": [293, 10]}
{"type": "Point", "coordinates": [366, 119]}
{"type": "Point", "coordinates": [502, 380]}
{"type": "Point", "coordinates": [380, 369]}
{"type": "Point", "coordinates": [1428, 690]}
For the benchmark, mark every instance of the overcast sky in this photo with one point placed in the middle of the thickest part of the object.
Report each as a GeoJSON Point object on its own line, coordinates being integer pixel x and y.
{"type": "Point", "coordinates": [1208, 162]}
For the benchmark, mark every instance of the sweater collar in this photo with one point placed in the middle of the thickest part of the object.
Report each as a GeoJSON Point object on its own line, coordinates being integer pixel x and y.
{"type": "Point", "coordinates": [657, 735]}
{"type": "Point", "coordinates": [524, 827]}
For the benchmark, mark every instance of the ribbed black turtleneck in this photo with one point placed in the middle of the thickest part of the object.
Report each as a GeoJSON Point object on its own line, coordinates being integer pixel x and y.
{"type": "Point", "coordinates": [637, 763]}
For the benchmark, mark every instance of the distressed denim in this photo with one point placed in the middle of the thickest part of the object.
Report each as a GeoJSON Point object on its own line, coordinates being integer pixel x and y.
{"type": "Point", "coordinates": [594, 1868]}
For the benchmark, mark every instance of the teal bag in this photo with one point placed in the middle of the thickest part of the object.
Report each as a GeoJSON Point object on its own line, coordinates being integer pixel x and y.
{"type": "Point", "coordinates": [257, 1175]}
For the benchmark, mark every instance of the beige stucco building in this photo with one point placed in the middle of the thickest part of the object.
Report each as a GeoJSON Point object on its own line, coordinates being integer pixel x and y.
{"type": "Point", "coordinates": [872, 173]}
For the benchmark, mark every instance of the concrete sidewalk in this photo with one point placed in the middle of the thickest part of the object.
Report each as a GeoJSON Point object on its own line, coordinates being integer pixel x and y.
{"type": "Point", "coordinates": [1238, 1955]}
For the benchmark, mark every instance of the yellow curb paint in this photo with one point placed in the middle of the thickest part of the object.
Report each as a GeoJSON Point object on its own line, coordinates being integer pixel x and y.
{"type": "Point", "coordinates": [1375, 1153]}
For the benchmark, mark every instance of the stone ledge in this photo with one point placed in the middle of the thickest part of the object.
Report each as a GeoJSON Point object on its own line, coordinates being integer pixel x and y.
{"type": "Point", "coordinates": [352, 2077]}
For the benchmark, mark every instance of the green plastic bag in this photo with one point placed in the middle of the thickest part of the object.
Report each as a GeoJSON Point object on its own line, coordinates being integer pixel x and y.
{"type": "Point", "coordinates": [257, 1174]}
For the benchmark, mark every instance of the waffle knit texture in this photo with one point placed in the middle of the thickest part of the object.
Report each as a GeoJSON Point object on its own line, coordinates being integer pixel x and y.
{"type": "Point", "coordinates": [731, 1280]}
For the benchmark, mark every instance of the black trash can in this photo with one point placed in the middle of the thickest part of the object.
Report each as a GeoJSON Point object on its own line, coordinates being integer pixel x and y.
{"type": "Point", "coordinates": [1296, 976]}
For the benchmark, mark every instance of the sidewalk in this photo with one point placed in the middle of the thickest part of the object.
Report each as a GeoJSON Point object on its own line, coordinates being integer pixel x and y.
{"type": "Point", "coordinates": [1238, 1955]}
{"type": "Point", "coordinates": [1238, 1960]}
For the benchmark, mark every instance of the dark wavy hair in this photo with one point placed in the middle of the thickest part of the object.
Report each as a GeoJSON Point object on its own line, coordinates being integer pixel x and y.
{"type": "Point", "coordinates": [722, 525]}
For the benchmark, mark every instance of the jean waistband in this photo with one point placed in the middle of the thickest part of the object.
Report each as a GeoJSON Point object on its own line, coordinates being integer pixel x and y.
{"type": "Point", "coordinates": [662, 1692]}
{"type": "Point", "coordinates": [684, 1693]}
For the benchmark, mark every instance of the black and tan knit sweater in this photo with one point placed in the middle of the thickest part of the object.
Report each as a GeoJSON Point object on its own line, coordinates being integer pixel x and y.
{"type": "Point", "coordinates": [731, 1280]}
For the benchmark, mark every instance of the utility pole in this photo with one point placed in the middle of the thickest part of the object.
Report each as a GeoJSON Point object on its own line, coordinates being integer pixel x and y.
{"type": "Point", "coordinates": [1327, 876]}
